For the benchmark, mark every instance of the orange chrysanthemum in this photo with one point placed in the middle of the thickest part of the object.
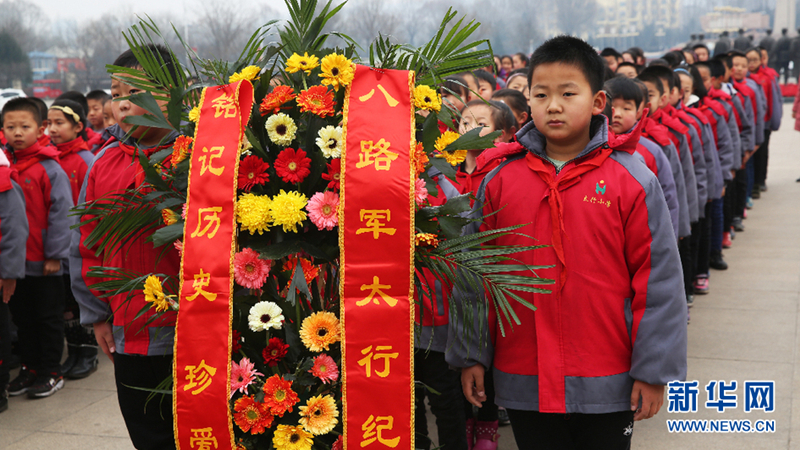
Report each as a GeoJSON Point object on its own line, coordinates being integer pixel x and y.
{"type": "Point", "coordinates": [273, 102]}
{"type": "Point", "coordinates": [426, 240]}
{"type": "Point", "coordinates": [252, 416]}
{"type": "Point", "coordinates": [420, 158]}
{"type": "Point", "coordinates": [316, 100]}
{"type": "Point", "coordinates": [310, 271]}
{"type": "Point", "coordinates": [279, 396]}
{"type": "Point", "coordinates": [180, 149]}
{"type": "Point", "coordinates": [320, 330]}
{"type": "Point", "coordinates": [169, 216]}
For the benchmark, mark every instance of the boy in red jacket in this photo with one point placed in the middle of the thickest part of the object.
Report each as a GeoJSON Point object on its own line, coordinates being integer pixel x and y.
{"type": "Point", "coordinates": [600, 348]}
{"type": "Point", "coordinates": [140, 347]}
{"type": "Point", "coordinates": [37, 306]}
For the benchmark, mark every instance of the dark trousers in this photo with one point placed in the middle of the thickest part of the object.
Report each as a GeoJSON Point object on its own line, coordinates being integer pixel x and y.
{"type": "Point", "coordinates": [740, 190]}
{"type": "Point", "coordinates": [686, 251]}
{"type": "Point", "coordinates": [149, 422]}
{"type": "Point", "coordinates": [487, 412]}
{"type": "Point", "coordinates": [540, 431]}
{"type": "Point", "coordinates": [703, 242]}
{"type": "Point", "coordinates": [431, 369]}
{"type": "Point", "coordinates": [761, 159]}
{"type": "Point", "coordinates": [5, 345]}
{"type": "Point", "coordinates": [717, 217]}
{"type": "Point", "coordinates": [37, 308]}
{"type": "Point", "coordinates": [750, 168]}
{"type": "Point", "coordinates": [728, 203]}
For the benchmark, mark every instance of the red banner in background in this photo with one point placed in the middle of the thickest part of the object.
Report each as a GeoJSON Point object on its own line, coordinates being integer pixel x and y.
{"type": "Point", "coordinates": [202, 361]}
{"type": "Point", "coordinates": [376, 239]}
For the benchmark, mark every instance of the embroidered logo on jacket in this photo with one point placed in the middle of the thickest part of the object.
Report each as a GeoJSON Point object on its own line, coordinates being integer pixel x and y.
{"type": "Point", "coordinates": [600, 188]}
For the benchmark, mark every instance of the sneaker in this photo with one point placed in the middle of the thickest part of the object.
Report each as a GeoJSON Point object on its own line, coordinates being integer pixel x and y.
{"type": "Point", "coordinates": [763, 187]}
{"type": "Point", "coordinates": [737, 224]}
{"type": "Point", "coordinates": [744, 214]}
{"type": "Point", "coordinates": [749, 203]}
{"type": "Point", "coordinates": [22, 383]}
{"type": "Point", "coordinates": [756, 194]}
{"type": "Point", "coordinates": [726, 240]}
{"type": "Point", "coordinates": [46, 386]}
{"type": "Point", "coordinates": [689, 300]}
{"type": "Point", "coordinates": [701, 285]}
{"type": "Point", "coordinates": [502, 417]}
{"type": "Point", "coordinates": [716, 262]}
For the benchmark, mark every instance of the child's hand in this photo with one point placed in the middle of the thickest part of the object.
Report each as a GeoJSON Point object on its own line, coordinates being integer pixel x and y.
{"type": "Point", "coordinates": [472, 384]}
{"type": "Point", "coordinates": [651, 396]}
{"type": "Point", "coordinates": [51, 266]}
{"type": "Point", "coordinates": [8, 287]}
{"type": "Point", "coordinates": [104, 334]}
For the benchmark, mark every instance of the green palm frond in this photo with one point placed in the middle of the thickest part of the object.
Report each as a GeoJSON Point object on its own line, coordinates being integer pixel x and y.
{"type": "Point", "coordinates": [303, 33]}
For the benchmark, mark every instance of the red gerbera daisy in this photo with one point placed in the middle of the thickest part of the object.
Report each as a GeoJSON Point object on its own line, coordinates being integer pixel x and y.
{"type": "Point", "coordinates": [274, 352]}
{"type": "Point", "coordinates": [279, 396]}
{"type": "Point", "coordinates": [317, 100]}
{"type": "Point", "coordinates": [180, 149]}
{"type": "Point", "coordinates": [252, 171]}
{"type": "Point", "coordinates": [310, 271]}
{"type": "Point", "coordinates": [251, 415]}
{"type": "Point", "coordinates": [292, 165]}
{"type": "Point", "coordinates": [333, 174]}
{"type": "Point", "coordinates": [277, 98]}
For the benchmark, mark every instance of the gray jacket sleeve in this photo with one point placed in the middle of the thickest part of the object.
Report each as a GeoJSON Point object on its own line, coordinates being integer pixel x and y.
{"type": "Point", "coordinates": [733, 129]}
{"type": "Point", "coordinates": [667, 182]}
{"type": "Point", "coordinates": [684, 224]}
{"type": "Point", "coordinates": [56, 240]}
{"type": "Point", "coordinates": [13, 233]}
{"type": "Point", "coordinates": [689, 178]}
{"type": "Point", "coordinates": [777, 107]}
{"type": "Point", "coordinates": [724, 147]}
{"type": "Point", "coordinates": [700, 170]}
{"type": "Point", "coordinates": [712, 162]}
{"type": "Point", "coordinates": [747, 132]}
{"type": "Point", "coordinates": [761, 110]}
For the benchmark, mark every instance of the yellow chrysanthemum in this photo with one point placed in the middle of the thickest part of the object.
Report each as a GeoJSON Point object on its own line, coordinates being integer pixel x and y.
{"type": "Point", "coordinates": [454, 158]}
{"type": "Point", "coordinates": [447, 138]}
{"type": "Point", "coordinates": [169, 216]}
{"type": "Point", "coordinates": [252, 211]}
{"type": "Point", "coordinates": [427, 98]}
{"type": "Point", "coordinates": [286, 210]}
{"type": "Point", "coordinates": [248, 73]}
{"type": "Point", "coordinates": [320, 330]}
{"type": "Point", "coordinates": [319, 415]}
{"type": "Point", "coordinates": [154, 293]}
{"type": "Point", "coordinates": [281, 129]}
{"type": "Point", "coordinates": [337, 71]}
{"type": "Point", "coordinates": [426, 240]}
{"type": "Point", "coordinates": [305, 63]}
{"type": "Point", "coordinates": [287, 437]}
{"type": "Point", "coordinates": [194, 114]}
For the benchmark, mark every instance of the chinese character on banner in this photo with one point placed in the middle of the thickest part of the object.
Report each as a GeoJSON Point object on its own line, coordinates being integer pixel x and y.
{"type": "Point", "coordinates": [371, 434]}
{"type": "Point", "coordinates": [379, 353]}
{"type": "Point", "coordinates": [202, 280]}
{"type": "Point", "coordinates": [389, 99]}
{"type": "Point", "coordinates": [682, 396]}
{"type": "Point", "coordinates": [759, 395]}
{"type": "Point", "coordinates": [723, 398]}
{"type": "Point", "coordinates": [377, 154]}
{"type": "Point", "coordinates": [207, 160]}
{"type": "Point", "coordinates": [203, 439]}
{"type": "Point", "coordinates": [199, 377]}
{"type": "Point", "coordinates": [211, 219]}
{"type": "Point", "coordinates": [374, 220]}
{"type": "Point", "coordinates": [224, 104]}
{"type": "Point", "coordinates": [376, 288]}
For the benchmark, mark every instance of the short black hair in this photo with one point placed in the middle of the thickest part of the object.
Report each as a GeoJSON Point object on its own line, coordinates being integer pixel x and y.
{"type": "Point", "coordinates": [650, 77]}
{"type": "Point", "coordinates": [628, 64]}
{"type": "Point", "coordinates": [454, 84]}
{"type": "Point", "coordinates": [41, 105]}
{"type": "Point", "coordinates": [659, 62]}
{"type": "Point", "coordinates": [514, 99]}
{"type": "Point", "coordinates": [23, 104]}
{"type": "Point", "coordinates": [663, 73]}
{"type": "Point", "coordinates": [698, 88]}
{"type": "Point", "coordinates": [624, 88]}
{"type": "Point", "coordinates": [99, 95]}
{"type": "Point", "coordinates": [674, 58]}
{"type": "Point", "coordinates": [725, 59]}
{"type": "Point", "coordinates": [506, 56]}
{"type": "Point", "coordinates": [159, 52]}
{"type": "Point", "coordinates": [608, 51]}
{"type": "Point", "coordinates": [522, 57]}
{"type": "Point", "coordinates": [754, 49]}
{"type": "Point", "coordinates": [76, 97]}
{"type": "Point", "coordinates": [77, 109]}
{"type": "Point", "coordinates": [573, 51]}
{"type": "Point", "coordinates": [642, 87]}
{"type": "Point", "coordinates": [696, 46]}
{"type": "Point", "coordinates": [485, 76]}
{"type": "Point", "coordinates": [502, 116]}
{"type": "Point", "coordinates": [735, 53]}
{"type": "Point", "coordinates": [715, 67]}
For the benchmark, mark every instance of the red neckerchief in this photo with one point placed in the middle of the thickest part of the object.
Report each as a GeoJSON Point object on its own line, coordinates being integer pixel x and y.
{"type": "Point", "coordinates": [684, 117]}
{"type": "Point", "coordinates": [6, 175]}
{"type": "Point", "coordinates": [546, 172]}
{"type": "Point", "coordinates": [708, 112]}
{"type": "Point", "coordinates": [3, 141]}
{"type": "Point", "coordinates": [765, 81]}
{"type": "Point", "coordinates": [716, 107]}
{"type": "Point", "coordinates": [134, 152]}
{"type": "Point", "coordinates": [655, 131]}
{"type": "Point", "coordinates": [660, 117]}
{"type": "Point", "coordinates": [627, 142]}
{"type": "Point", "coordinates": [723, 96]}
{"type": "Point", "coordinates": [696, 113]}
{"type": "Point", "coordinates": [73, 146]}
{"type": "Point", "coordinates": [745, 90]}
{"type": "Point", "coordinates": [27, 157]}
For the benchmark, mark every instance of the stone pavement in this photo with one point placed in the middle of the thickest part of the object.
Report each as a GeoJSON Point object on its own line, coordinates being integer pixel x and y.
{"type": "Point", "coordinates": [746, 328]}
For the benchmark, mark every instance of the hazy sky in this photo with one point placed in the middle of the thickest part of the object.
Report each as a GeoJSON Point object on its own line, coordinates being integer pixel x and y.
{"type": "Point", "coordinates": [80, 9]}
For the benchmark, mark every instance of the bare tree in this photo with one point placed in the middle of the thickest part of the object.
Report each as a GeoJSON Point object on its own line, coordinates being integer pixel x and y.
{"type": "Point", "coordinates": [25, 21]}
{"type": "Point", "coordinates": [222, 27]}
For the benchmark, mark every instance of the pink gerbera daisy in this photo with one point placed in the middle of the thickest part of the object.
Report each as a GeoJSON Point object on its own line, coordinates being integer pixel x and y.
{"type": "Point", "coordinates": [325, 369]}
{"type": "Point", "coordinates": [420, 191]}
{"type": "Point", "coordinates": [242, 375]}
{"type": "Point", "coordinates": [323, 210]}
{"type": "Point", "coordinates": [249, 270]}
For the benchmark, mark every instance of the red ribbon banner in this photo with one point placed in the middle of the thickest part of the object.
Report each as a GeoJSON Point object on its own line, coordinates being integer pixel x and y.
{"type": "Point", "coordinates": [376, 239]}
{"type": "Point", "coordinates": [202, 362]}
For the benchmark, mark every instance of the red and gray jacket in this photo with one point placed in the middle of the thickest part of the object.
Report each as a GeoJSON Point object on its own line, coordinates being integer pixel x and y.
{"type": "Point", "coordinates": [115, 170]}
{"type": "Point", "coordinates": [678, 135]}
{"type": "Point", "coordinates": [13, 223]}
{"type": "Point", "coordinates": [617, 311]}
{"type": "Point", "coordinates": [47, 204]}
{"type": "Point", "coordinates": [75, 158]}
{"type": "Point", "coordinates": [713, 168]}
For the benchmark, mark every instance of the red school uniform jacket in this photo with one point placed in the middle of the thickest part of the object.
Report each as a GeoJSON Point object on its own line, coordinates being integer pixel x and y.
{"type": "Point", "coordinates": [616, 312]}
{"type": "Point", "coordinates": [116, 169]}
{"type": "Point", "coordinates": [75, 158]}
{"type": "Point", "coordinates": [13, 223]}
{"type": "Point", "coordinates": [47, 203]}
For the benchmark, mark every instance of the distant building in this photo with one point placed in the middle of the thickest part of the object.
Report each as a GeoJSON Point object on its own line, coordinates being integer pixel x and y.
{"type": "Point", "coordinates": [53, 75]}
{"type": "Point", "coordinates": [627, 18]}
{"type": "Point", "coordinates": [728, 18]}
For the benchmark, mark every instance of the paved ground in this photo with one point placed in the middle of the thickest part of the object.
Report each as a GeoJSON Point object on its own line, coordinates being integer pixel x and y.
{"type": "Point", "coordinates": [747, 328]}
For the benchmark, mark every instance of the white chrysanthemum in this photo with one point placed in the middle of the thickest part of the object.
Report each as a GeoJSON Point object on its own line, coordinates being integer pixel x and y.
{"type": "Point", "coordinates": [265, 315]}
{"type": "Point", "coordinates": [281, 129]}
{"type": "Point", "coordinates": [330, 141]}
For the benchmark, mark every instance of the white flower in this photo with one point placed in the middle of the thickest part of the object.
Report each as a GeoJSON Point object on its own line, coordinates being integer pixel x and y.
{"type": "Point", "coordinates": [281, 129]}
{"type": "Point", "coordinates": [265, 315]}
{"type": "Point", "coordinates": [330, 141]}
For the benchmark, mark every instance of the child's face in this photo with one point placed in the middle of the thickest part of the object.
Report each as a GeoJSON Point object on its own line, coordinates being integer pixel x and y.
{"type": "Point", "coordinates": [520, 84]}
{"type": "Point", "coordinates": [764, 57]}
{"type": "Point", "coordinates": [612, 62]}
{"type": "Point", "coordinates": [21, 129]}
{"type": "Point", "coordinates": [475, 117]}
{"type": "Point", "coordinates": [653, 96]}
{"type": "Point", "coordinates": [507, 64]}
{"type": "Point", "coordinates": [518, 62]}
{"type": "Point", "coordinates": [562, 103]}
{"type": "Point", "coordinates": [123, 108]}
{"type": "Point", "coordinates": [452, 101]}
{"type": "Point", "coordinates": [485, 89]}
{"type": "Point", "coordinates": [705, 75]}
{"type": "Point", "coordinates": [675, 96]}
{"type": "Point", "coordinates": [108, 114]}
{"type": "Point", "coordinates": [95, 113]}
{"type": "Point", "coordinates": [702, 54]}
{"type": "Point", "coordinates": [687, 85]}
{"type": "Point", "coordinates": [62, 129]}
{"type": "Point", "coordinates": [627, 57]}
{"type": "Point", "coordinates": [627, 71]}
{"type": "Point", "coordinates": [739, 70]}
{"type": "Point", "coordinates": [474, 89]}
{"type": "Point", "coordinates": [753, 61]}
{"type": "Point", "coordinates": [689, 57]}
{"type": "Point", "coordinates": [624, 115]}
